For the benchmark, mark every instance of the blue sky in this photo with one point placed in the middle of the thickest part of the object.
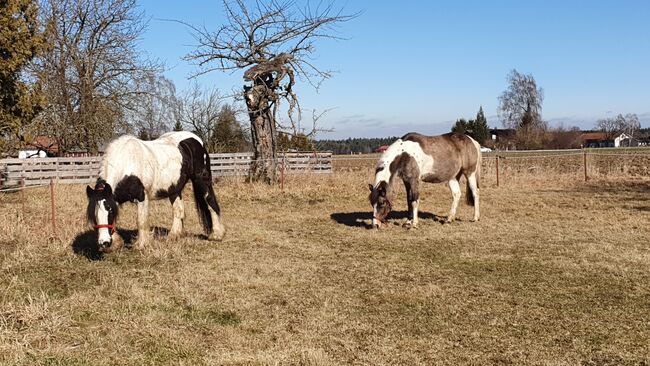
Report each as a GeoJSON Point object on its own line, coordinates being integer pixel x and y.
{"type": "Point", "coordinates": [420, 65]}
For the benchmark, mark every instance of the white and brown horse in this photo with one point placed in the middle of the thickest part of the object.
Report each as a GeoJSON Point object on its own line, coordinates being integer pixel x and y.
{"type": "Point", "coordinates": [432, 159]}
{"type": "Point", "coordinates": [138, 171]}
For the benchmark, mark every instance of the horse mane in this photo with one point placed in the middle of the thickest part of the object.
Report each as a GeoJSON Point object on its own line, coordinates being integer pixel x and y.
{"type": "Point", "coordinates": [90, 210]}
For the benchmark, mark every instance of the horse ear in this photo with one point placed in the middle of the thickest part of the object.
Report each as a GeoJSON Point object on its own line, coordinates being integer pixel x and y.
{"type": "Point", "coordinates": [381, 188]}
{"type": "Point", "coordinates": [370, 186]}
{"type": "Point", "coordinates": [89, 191]}
{"type": "Point", "coordinates": [108, 189]}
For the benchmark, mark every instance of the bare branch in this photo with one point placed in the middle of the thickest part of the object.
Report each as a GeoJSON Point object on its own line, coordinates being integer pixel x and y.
{"type": "Point", "coordinates": [273, 41]}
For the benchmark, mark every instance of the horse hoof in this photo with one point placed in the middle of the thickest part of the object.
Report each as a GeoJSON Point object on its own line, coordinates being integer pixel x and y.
{"type": "Point", "coordinates": [409, 225]}
{"type": "Point", "coordinates": [217, 236]}
{"type": "Point", "coordinates": [174, 236]}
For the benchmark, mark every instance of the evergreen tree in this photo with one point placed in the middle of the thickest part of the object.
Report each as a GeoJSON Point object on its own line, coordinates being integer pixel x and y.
{"type": "Point", "coordinates": [20, 40]}
{"type": "Point", "coordinates": [461, 126]}
{"type": "Point", "coordinates": [229, 135]}
{"type": "Point", "coordinates": [481, 131]}
{"type": "Point", "coordinates": [299, 142]}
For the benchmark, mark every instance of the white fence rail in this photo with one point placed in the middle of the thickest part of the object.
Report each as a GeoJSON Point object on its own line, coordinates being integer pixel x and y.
{"type": "Point", "coordinates": [37, 171]}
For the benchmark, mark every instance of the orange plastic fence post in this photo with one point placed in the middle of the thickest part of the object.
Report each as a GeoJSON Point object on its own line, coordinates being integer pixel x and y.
{"type": "Point", "coordinates": [22, 195]}
{"type": "Point", "coordinates": [53, 206]}
{"type": "Point", "coordinates": [584, 164]}
{"type": "Point", "coordinates": [497, 170]}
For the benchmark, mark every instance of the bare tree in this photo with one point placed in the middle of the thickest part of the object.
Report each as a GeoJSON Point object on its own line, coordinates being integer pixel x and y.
{"type": "Point", "coordinates": [156, 109]}
{"type": "Point", "coordinates": [204, 112]}
{"type": "Point", "coordinates": [609, 126]}
{"type": "Point", "coordinates": [91, 70]}
{"type": "Point", "coordinates": [272, 41]}
{"type": "Point", "coordinates": [520, 106]}
{"type": "Point", "coordinates": [199, 113]}
{"type": "Point", "coordinates": [628, 124]}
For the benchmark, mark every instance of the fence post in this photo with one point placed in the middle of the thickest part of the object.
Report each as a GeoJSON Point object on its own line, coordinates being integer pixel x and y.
{"type": "Point", "coordinates": [497, 170]}
{"type": "Point", "coordinates": [53, 211]}
{"type": "Point", "coordinates": [22, 196]}
{"type": "Point", "coordinates": [284, 157]}
{"type": "Point", "coordinates": [584, 164]}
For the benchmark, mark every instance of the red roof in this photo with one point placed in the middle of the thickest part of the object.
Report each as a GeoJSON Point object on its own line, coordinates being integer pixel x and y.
{"type": "Point", "coordinates": [594, 136]}
{"type": "Point", "coordinates": [45, 143]}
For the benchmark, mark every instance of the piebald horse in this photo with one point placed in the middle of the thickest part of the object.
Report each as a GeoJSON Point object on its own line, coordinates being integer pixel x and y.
{"type": "Point", "coordinates": [138, 171]}
{"type": "Point", "coordinates": [431, 159]}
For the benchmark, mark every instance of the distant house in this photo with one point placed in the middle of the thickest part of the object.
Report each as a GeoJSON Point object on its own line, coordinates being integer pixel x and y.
{"type": "Point", "coordinates": [503, 138]}
{"type": "Point", "coordinates": [47, 146]}
{"type": "Point", "coordinates": [604, 139]}
{"type": "Point", "coordinates": [42, 146]}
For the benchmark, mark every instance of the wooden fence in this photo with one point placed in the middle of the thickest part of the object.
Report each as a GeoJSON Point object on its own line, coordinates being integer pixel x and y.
{"type": "Point", "coordinates": [39, 171]}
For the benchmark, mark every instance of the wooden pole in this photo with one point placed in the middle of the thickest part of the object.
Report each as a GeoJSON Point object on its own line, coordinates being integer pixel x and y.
{"type": "Point", "coordinates": [584, 164]}
{"type": "Point", "coordinates": [22, 195]}
{"type": "Point", "coordinates": [53, 210]}
{"type": "Point", "coordinates": [282, 172]}
{"type": "Point", "coordinates": [497, 170]}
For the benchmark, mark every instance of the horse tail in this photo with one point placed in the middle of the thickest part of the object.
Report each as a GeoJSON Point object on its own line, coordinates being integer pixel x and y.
{"type": "Point", "coordinates": [469, 196]}
{"type": "Point", "coordinates": [204, 196]}
{"type": "Point", "coordinates": [202, 208]}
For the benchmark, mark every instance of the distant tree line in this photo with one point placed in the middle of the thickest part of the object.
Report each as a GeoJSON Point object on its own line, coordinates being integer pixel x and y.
{"type": "Point", "coordinates": [353, 145]}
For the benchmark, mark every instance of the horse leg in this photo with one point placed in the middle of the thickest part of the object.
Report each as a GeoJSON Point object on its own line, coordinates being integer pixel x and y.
{"type": "Point", "coordinates": [473, 187]}
{"type": "Point", "coordinates": [179, 215]}
{"type": "Point", "coordinates": [413, 201]}
{"type": "Point", "coordinates": [454, 186]}
{"type": "Point", "coordinates": [144, 234]}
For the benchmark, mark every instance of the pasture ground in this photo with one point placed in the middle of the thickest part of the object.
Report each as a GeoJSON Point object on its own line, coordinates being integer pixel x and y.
{"type": "Point", "coordinates": [557, 272]}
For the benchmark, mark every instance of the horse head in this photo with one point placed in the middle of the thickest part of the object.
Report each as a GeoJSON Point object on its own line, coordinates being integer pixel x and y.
{"type": "Point", "coordinates": [102, 212]}
{"type": "Point", "coordinates": [380, 203]}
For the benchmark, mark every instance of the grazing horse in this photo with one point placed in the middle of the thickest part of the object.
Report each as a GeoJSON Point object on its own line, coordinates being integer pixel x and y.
{"type": "Point", "coordinates": [432, 159]}
{"type": "Point", "coordinates": [137, 171]}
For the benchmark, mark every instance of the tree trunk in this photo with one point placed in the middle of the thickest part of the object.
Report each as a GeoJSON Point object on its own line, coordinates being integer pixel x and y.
{"type": "Point", "coordinates": [259, 101]}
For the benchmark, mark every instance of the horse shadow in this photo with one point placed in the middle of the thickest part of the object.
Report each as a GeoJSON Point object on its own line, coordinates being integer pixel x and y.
{"type": "Point", "coordinates": [85, 243]}
{"type": "Point", "coordinates": [364, 219]}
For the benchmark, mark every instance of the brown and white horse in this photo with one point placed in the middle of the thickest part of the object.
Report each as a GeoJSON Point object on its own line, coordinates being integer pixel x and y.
{"type": "Point", "coordinates": [431, 159]}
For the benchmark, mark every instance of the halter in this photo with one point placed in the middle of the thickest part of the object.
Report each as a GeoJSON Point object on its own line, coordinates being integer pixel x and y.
{"type": "Point", "coordinates": [106, 226]}
{"type": "Point", "coordinates": [100, 187]}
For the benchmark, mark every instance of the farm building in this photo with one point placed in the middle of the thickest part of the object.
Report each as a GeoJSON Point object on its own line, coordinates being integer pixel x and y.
{"type": "Point", "coordinates": [604, 139]}
{"type": "Point", "coordinates": [42, 146]}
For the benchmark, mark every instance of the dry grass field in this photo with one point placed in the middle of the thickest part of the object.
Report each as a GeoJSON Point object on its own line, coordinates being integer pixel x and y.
{"type": "Point", "coordinates": [557, 272]}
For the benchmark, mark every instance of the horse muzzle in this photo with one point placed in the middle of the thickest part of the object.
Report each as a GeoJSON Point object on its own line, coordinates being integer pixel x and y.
{"type": "Point", "coordinates": [377, 223]}
{"type": "Point", "coordinates": [104, 246]}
